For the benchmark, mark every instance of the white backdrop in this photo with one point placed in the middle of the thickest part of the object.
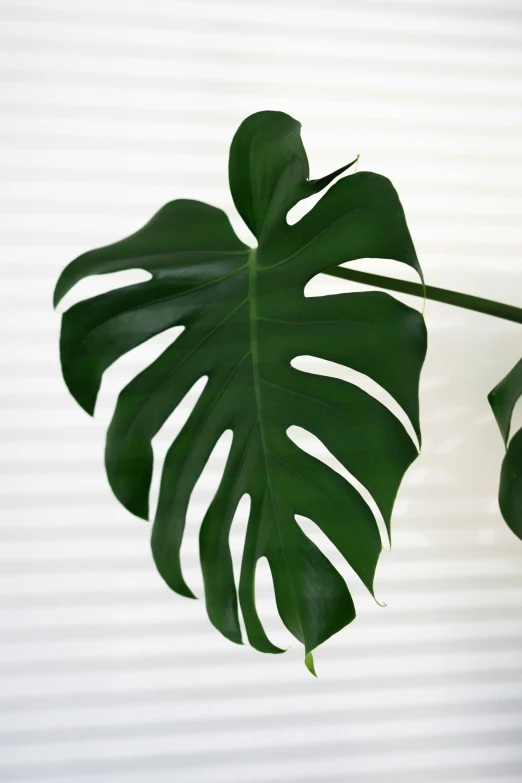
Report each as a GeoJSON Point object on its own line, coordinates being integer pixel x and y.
{"type": "Point", "coordinates": [111, 108]}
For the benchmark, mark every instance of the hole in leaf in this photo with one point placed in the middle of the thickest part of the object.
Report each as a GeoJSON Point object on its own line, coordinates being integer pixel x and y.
{"type": "Point", "coordinates": [168, 433]}
{"type": "Point", "coordinates": [312, 531]}
{"type": "Point", "coordinates": [237, 544]}
{"type": "Point", "coordinates": [203, 492]}
{"type": "Point", "coordinates": [304, 206]}
{"type": "Point", "coordinates": [267, 606]}
{"type": "Point", "coordinates": [127, 367]}
{"type": "Point", "coordinates": [313, 364]}
{"type": "Point", "coordinates": [311, 444]}
{"type": "Point", "coordinates": [384, 266]}
{"type": "Point", "coordinates": [326, 285]}
{"type": "Point", "coordinates": [102, 284]}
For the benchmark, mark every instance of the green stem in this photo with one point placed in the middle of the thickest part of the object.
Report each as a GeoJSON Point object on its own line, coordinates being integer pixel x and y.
{"type": "Point", "coordinates": [498, 309]}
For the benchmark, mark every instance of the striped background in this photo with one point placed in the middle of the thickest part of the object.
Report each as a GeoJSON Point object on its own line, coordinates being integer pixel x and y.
{"type": "Point", "coordinates": [111, 108]}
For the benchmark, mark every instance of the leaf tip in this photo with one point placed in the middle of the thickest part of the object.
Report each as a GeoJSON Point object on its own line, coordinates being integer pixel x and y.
{"type": "Point", "coordinates": [309, 663]}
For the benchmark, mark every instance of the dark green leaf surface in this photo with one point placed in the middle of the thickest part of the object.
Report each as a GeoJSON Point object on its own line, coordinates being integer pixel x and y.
{"type": "Point", "coordinates": [246, 318]}
{"type": "Point", "coordinates": [503, 399]}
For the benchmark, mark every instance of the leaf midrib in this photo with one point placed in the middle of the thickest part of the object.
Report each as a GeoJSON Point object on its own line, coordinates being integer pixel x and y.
{"type": "Point", "coordinates": [254, 350]}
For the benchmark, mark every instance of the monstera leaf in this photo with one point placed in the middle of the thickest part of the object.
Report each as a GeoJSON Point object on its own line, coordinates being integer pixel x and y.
{"type": "Point", "coordinates": [246, 318]}
{"type": "Point", "coordinates": [503, 399]}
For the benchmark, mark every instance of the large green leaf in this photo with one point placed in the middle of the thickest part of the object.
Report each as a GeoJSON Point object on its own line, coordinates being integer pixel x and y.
{"type": "Point", "coordinates": [246, 317]}
{"type": "Point", "coordinates": [503, 399]}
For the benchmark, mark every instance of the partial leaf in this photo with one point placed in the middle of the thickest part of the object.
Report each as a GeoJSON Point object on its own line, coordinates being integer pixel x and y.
{"type": "Point", "coordinates": [503, 399]}
{"type": "Point", "coordinates": [246, 318]}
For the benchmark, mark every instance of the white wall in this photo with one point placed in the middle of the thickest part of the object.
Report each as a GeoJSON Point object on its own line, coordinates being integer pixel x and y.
{"type": "Point", "coordinates": [111, 109]}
